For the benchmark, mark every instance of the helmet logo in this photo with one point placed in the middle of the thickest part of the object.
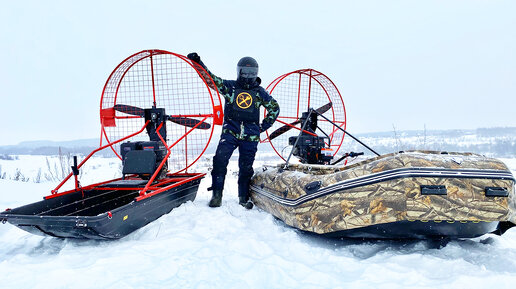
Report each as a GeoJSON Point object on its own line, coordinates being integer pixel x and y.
{"type": "Point", "coordinates": [244, 100]}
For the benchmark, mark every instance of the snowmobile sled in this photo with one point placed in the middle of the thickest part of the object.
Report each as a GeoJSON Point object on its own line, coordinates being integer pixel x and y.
{"type": "Point", "coordinates": [157, 145]}
{"type": "Point", "coordinates": [412, 194]}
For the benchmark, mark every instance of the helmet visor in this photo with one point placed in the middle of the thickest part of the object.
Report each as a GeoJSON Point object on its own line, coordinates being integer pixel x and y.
{"type": "Point", "coordinates": [247, 72]}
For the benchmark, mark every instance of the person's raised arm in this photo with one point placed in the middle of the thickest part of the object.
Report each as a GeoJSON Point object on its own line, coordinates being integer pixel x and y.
{"type": "Point", "coordinates": [217, 84]}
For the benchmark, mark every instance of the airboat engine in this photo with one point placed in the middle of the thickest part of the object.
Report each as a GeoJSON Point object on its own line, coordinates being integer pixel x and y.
{"type": "Point", "coordinates": [311, 149]}
{"type": "Point", "coordinates": [143, 158]}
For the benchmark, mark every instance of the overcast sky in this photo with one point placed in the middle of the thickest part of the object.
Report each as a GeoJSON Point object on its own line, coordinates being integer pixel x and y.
{"type": "Point", "coordinates": [440, 64]}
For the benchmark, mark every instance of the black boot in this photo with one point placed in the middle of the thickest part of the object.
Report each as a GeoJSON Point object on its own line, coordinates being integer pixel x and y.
{"type": "Point", "coordinates": [216, 199]}
{"type": "Point", "coordinates": [244, 202]}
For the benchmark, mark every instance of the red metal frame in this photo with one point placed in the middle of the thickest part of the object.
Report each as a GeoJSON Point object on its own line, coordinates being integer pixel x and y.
{"type": "Point", "coordinates": [143, 192]}
{"type": "Point", "coordinates": [54, 191]}
{"type": "Point", "coordinates": [178, 183]}
{"type": "Point", "coordinates": [330, 90]}
{"type": "Point", "coordinates": [216, 115]}
{"type": "Point", "coordinates": [309, 88]}
{"type": "Point", "coordinates": [108, 118]}
{"type": "Point", "coordinates": [174, 180]}
{"type": "Point", "coordinates": [153, 85]}
{"type": "Point", "coordinates": [295, 127]}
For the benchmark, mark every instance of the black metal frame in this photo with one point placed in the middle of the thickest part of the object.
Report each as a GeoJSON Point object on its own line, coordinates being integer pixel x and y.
{"type": "Point", "coordinates": [310, 111]}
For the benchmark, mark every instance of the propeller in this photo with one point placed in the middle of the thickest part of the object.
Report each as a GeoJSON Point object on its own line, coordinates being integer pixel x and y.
{"type": "Point", "coordinates": [287, 127]}
{"type": "Point", "coordinates": [130, 109]}
{"type": "Point", "coordinates": [324, 108]}
{"type": "Point", "coordinates": [189, 122]}
{"type": "Point", "coordinates": [282, 130]}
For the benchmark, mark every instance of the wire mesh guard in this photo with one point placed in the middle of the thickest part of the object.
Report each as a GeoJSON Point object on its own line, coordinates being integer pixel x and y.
{"type": "Point", "coordinates": [165, 80]}
{"type": "Point", "coordinates": [296, 92]}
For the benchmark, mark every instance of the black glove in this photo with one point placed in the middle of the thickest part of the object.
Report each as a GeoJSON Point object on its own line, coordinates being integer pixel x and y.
{"type": "Point", "coordinates": [194, 57]}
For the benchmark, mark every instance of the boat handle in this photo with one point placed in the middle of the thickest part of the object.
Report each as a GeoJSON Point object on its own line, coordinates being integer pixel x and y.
{"type": "Point", "coordinates": [496, 192]}
{"type": "Point", "coordinates": [433, 190]}
{"type": "Point", "coordinates": [312, 187]}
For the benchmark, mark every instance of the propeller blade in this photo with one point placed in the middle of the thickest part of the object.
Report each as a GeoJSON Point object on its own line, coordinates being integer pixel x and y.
{"type": "Point", "coordinates": [283, 130]}
{"type": "Point", "coordinates": [324, 108]}
{"type": "Point", "coordinates": [287, 127]}
{"type": "Point", "coordinates": [190, 122]}
{"type": "Point", "coordinates": [130, 109]}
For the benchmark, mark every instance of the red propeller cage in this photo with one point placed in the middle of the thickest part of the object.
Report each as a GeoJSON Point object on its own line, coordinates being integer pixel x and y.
{"type": "Point", "coordinates": [296, 92]}
{"type": "Point", "coordinates": [166, 80]}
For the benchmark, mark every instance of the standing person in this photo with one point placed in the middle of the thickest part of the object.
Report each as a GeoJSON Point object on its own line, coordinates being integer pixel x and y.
{"type": "Point", "coordinates": [242, 127]}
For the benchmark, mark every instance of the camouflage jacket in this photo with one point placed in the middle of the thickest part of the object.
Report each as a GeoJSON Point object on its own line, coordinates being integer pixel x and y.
{"type": "Point", "coordinates": [245, 130]}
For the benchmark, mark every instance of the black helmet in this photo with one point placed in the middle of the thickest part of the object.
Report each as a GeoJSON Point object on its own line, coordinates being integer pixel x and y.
{"type": "Point", "coordinates": [247, 69]}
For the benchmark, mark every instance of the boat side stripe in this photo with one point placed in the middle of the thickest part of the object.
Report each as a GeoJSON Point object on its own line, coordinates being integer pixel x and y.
{"type": "Point", "coordinates": [386, 176]}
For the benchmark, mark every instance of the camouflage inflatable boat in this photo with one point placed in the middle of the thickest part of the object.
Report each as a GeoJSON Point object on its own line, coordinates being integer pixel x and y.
{"type": "Point", "coordinates": [416, 194]}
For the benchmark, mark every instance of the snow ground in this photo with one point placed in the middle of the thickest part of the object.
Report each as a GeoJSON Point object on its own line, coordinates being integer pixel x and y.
{"type": "Point", "coordinates": [229, 247]}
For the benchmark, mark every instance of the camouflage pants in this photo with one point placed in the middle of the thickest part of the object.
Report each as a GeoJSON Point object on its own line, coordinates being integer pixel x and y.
{"type": "Point", "coordinates": [247, 151]}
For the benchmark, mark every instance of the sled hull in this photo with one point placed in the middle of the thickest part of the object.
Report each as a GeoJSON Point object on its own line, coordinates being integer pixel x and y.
{"type": "Point", "coordinates": [102, 213]}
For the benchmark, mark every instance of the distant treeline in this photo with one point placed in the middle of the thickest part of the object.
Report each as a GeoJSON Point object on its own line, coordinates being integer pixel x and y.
{"type": "Point", "coordinates": [481, 132]}
{"type": "Point", "coordinates": [496, 131]}
{"type": "Point", "coordinates": [53, 150]}
{"type": "Point", "coordinates": [500, 149]}
{"type": "Point", "coordinates": [496, 141]}
{"type": "Point", "coordinates": [490, 145]}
